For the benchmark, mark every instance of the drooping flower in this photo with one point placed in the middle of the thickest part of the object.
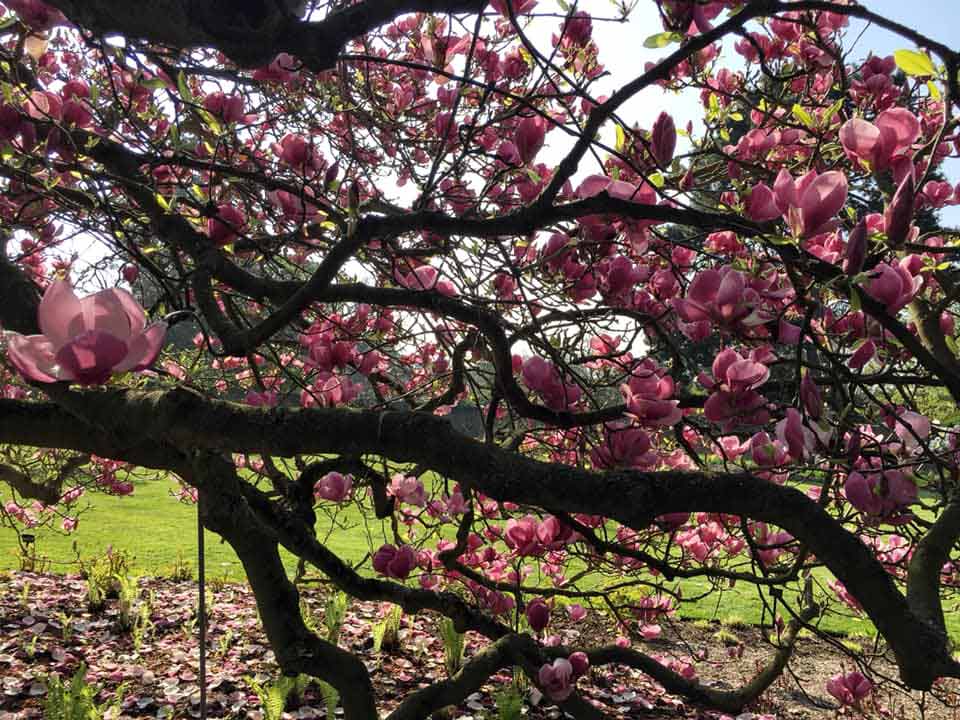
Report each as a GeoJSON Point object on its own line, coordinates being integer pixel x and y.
{"type": "Point", "coordinates": [531, 132]}
{"type": "Point", "coordinates": [333, 486]}
{"type": "Point", "coordinates": [86, 340]}
{"type": "Point", "coordinates": [879, 145]}
{"type": "Point", "coordinates": [538, 614]}
{"type": "Point", "coordinates": [394, 562]}
{"type": "Point", "coordinates": [556, 679]}
{"type": "Point", "coordinates": [849, 688]}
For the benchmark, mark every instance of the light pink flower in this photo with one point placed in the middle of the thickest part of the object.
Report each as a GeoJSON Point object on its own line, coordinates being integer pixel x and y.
{"type": "Point", "coordinates": [878, 145]}
{"type": "Point", "coordinates": [333, 486]}
{"type": "Point", "coordinates": [809, 202]}
{"type": "Point", "coordinates": [849, 689]}
{"type": "Point", "coordinates": [394, 562]}
{"type": "Point", "coordinates": [86, 340]}
{"type": "Point", "coordinates": [556, 679]}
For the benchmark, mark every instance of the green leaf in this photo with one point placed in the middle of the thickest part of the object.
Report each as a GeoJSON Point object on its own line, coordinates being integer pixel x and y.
{"type": "Point", "coordinates": [914, 63]}
{"type": "Point", "coordinates": [854, 300]}
{"type": "Point", "coordinates": [803, 116]}
{"type": "Point", "coordinates": [621, 138]}
{"type": "Point", "coordinates": [934, 90]}
{"type": "Point", "coordinates": [662, 40]}
{"type": "Point", "coordinates": [952, 344]}
{"type": "Point", "coordinates": [656, 180]}
{"type": "Point", "coordinates": [183, 87]}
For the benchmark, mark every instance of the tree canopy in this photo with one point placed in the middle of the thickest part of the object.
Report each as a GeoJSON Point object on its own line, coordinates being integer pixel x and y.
{"type": "Point", "coordinates": [416, 256]}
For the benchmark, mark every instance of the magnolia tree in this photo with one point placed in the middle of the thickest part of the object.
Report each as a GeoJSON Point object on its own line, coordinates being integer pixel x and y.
{"type": "Point", "coordinates": [417, 258]}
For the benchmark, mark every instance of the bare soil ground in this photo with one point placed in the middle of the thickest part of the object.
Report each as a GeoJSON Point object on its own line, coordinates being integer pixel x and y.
{"type": "Point", "coordinates": [46, 627]}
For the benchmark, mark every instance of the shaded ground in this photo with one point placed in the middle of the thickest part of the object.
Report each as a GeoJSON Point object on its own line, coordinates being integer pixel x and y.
{"type": "Point", "coordinates": [46, 627]}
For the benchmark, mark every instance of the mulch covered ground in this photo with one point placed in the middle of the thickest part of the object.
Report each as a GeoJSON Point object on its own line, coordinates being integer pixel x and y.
{"type": "Point", "coordinates": [46, 627]}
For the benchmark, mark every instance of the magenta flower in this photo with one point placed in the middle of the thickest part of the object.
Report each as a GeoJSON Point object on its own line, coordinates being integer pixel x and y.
{"type": "Point", "coordinates": [879, 145]}
{"type": "Point", "coordinates": [556, 679]}
{"type": "Point", "coordinates": [809, 202]}
{"type": "Point", "coordinates": [223, 229]}
{"type": "Point", "coordinates": [538, 614]}
{"type": "Point", "coordinates": [333, 486]}
{"type": "Point", "coordinates": [394, 562]}
{"type": "Point", "coordinates": [663, 139]}
{"type": "Point", "coordinates": [718, 295]}
{"type": "Point", "coordinates": [531, 132]}
{"type": "Point", "coordinates": [87, 340]}
{"type": "Point", "coordinates": [880, 494]}
{"type": "Point", "coordinates": [893, 285]}
{"type": "Point", "coordinates": [849, 689]}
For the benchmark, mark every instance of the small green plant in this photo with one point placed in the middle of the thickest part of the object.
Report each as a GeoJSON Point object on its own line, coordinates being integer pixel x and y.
{"type": "Point", "coordinates": [273, 696]}
{"type": "Point", "coordinates": [334, 614]}
{"type": "Point", "coordinates": [734, 621]}
{"type": "Point", "coordinates": [181, 570]}
{"type": "Point", "coordinates": [96, 594]}
{"type": "Point", "coordinates": [142, 625]}
{"type": "Point", "coordinates": [331, 698]}
{"type": "Point", "coordinates": [509, 702]}
{"type": "Point", "coordinates": [225, 642]}
{"type": "Point", "coordinates": [727, 638]}
{"type": "Point", "coordinates": [66, 626]}
{"type": "Point", "coordinates": [76, 700]}
{"type": "Point", "coordinates": [25, 595]}
{"type": "Point", "coordinates": [30, 648]}
{"type": "Point", "coordinates": [127, 602]}
{"type": "Point", "coordinates": [453, 645]}
{"type": "Point", "coordinates": [386, 633]}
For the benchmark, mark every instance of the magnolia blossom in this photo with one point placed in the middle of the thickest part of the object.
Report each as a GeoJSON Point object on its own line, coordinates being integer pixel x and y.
{"type": "Point", "coordinates": [538, 614]}
{"type": "Point", "coordinates": [807, 203]}
{"type": "Point", "coordinates": [734, 399]}
{"type": "Point", "coordinates": [880, 144]}
{"type": "Point", "coordinates": [333, 486]}
{"type": "Point", "coordinates": [394, 562]}
{"type": "Point", "coordinates": [86, 340]}
{"type": "Point", "coordinates": [849, 689]}
{"type": "Point", "coordinates": [557, 679]}
{"type": "Point", "coordinates": [893, 285]}
{"type": "Point", "coordinates": [883, 494]}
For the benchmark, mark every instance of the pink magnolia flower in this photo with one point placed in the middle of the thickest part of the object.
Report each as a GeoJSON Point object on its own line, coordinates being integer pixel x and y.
{"type": "Point", "coordinates": [647, 395]}
{"type": "Point", "coordinates": [543, 377]}
{"type": "Point", "coordinates": [394, 562]}
{"type": "Point", "coordinates": [519, 7]}
{"type": "Point", "coordinates": [766, 451]}
{"type": "Point", "coordinates": [849, 689]}
{"type": "Point", "coordinates": [623, 447]}
{"type": "Point", "coordinates": [881, 494]}
{"type": "Point", "coordinates": [878, 145]}
{"type": "Point", "coordinates": [425, 277]}
{"type": "Point", "coordinates": [521, 536]}
{"type": "Point", "coordinates": [36, 13]}
{"type": "Point", "coordinates": [86, 340]}
{"type": "Point", "coordinates": [557, 679]}
{"type": "Point", "coordinates": [720, 295]}
{"type": "Point", "coordinates": [800, 440]}
{"type": "Point", "coordinates": [538, 614]}
{"type": "Point", "coordinates": [663, 139]}
{"type": "Point", "coordinates": [734, 399]}
{"type": "Point", "coordinates": [223, 229]}
{"type": "Point", "coordinates": [531, 132]}
{"type": "Point", "coordinates": [228, 107]}
{"type": "Point", "coordinates": [809, 202]}
{"type": "Point", "coordinates": [911, 427]}
{"type": "Point", "coordinates": [333, 486]}
{"type": "Point", "coordinates": [408, 489]}
{"type": "Point", "coordinates": [576, 612]}
{"type": "Point", "coordinates": [893, 285]}
{"type": "Point", "coordinates": [621, 189]}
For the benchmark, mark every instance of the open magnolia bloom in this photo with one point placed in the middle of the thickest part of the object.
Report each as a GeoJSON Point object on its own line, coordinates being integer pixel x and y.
{"type": "Point", "coordinates": [86, 340]}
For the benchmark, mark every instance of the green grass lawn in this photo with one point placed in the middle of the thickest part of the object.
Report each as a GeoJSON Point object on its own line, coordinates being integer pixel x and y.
{"type": "Point", "coordinates": [160, 533]}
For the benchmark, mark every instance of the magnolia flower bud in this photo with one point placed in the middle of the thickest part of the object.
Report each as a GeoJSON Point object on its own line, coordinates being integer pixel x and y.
{"type": "Point", "coordinates": [663, 140]}
{"type": "Point", "coordinates": [856, 249]}
{"type": "Point", "coordinates": [899, 213]}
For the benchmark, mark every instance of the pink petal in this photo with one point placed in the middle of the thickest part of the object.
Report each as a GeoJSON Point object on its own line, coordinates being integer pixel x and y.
{"type": "Point", "coordinates": [60, 315]}
{"type": "Point", "coordinates": [110, 312]}
{"type": "Point", "coordinates": [144, 349]}
{"type": "Point", "coordinates": [90, 357]}
{"type": "Point", "coordinates": [33, 356]}
{"type": "Point", "coordinates": [822, 199]}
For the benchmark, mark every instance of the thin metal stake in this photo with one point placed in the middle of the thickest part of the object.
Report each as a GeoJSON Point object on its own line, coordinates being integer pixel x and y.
{"type": "Point", "coordinates": [202, 603]}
